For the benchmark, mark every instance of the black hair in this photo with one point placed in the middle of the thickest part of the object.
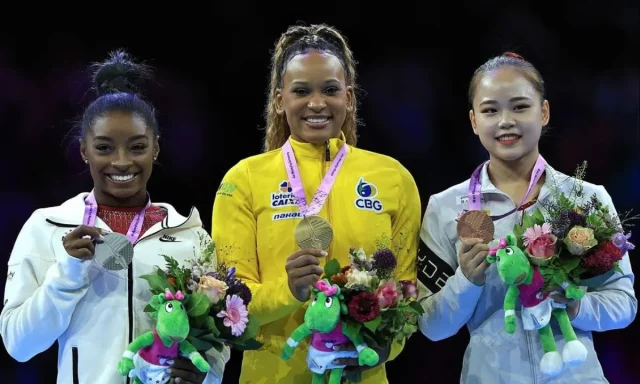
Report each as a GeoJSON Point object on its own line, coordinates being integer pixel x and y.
{"type": "Point", "coordinates": [508, 59]}
{"type": "Point", "coordinates": [118, 82]}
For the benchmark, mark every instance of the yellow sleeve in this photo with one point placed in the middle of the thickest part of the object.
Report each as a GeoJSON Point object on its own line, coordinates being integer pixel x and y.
{"type": "Point", "coordinates": [405, 237]}
{"type": "Point", "coordinates": [234, 233]}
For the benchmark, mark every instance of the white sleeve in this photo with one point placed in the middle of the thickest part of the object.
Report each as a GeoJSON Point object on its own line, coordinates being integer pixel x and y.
{"type": "Point", "coordinates": [41, 292]}
{"type": "Point", "coordinates": [453, 297]}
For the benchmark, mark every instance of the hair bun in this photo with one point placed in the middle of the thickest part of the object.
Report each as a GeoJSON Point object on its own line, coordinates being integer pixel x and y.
{"type": "Point", "coordinates": [119, 73]}
{"type": "Point", "coordinates": [514, 55]}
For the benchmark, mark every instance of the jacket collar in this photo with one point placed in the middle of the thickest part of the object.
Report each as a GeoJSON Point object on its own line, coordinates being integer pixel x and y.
{"type": "Point", "coordinates": [318, 151]}
{"type": "Point", "coordinates": [71, 213]}
{"type": "Point", "coordinates": [550, 175]}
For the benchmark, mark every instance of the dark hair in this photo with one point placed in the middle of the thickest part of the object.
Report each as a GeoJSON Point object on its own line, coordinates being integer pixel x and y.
{"type": "Point", "coordinates": [508, 59]}
{"type": "Point", "coordinates": [118, 82]}
{"type": "Point", "coordinates": [301, 39]}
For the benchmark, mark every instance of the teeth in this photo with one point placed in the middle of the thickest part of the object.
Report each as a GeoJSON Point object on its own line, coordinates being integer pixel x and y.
{"type": "Point", "coordinates": [122, 177]}
{"type": "Point", "coordinates": [317, 119]}
{"type": "Point", "coordinates": [508, 137]}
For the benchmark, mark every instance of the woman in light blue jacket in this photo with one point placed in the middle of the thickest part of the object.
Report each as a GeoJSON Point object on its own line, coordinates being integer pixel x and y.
{"type": "Point", "coordinates": [509, 113]}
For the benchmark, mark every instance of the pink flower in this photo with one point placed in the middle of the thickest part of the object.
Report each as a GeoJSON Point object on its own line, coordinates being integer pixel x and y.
{"type": "Point", "coordinates": [533, 233]}
{"type": "Point", "coordinates": [236, 316]}
{"type": "Point", "coordinates": [387, 295]}
{"type": "Point", "coordinates": [543, 247]}
{"type": "Point", "coordinates": [409, 290]}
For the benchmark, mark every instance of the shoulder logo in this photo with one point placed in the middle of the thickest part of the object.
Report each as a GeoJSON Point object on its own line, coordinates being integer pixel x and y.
{"type": "Point", "coordinates": [169, 239]}
{"type": "Point", "coordinates": [226, 189]}
{"type": "Point", "coordinates": [367, 196]}
{"type": "Point", "coordinates": [284, 197]}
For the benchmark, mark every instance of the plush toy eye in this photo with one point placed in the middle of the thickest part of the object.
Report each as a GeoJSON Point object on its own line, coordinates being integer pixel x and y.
{"type": "Point", "coordinates": [315, 299]}
{"type": "Point", "coordinates": [508, 251]}
{"type": "Point", "coordinates": [169, 307]}
{"type": "Point", "coordinates": [328, 302]}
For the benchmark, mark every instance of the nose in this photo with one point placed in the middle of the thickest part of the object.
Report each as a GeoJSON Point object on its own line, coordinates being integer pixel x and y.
{"type": "Point", "coordinates": [121, 162]}
{"type": "Point", "coordinates": [506, 121]}
{"type": "Point", "coordinates": [316, 103]}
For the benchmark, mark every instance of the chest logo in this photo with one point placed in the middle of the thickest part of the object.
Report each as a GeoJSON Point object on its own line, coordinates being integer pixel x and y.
{"type": "Point", "coordinates": [284, 197]}
{"type": "Point", "coordinates": [367, 193]}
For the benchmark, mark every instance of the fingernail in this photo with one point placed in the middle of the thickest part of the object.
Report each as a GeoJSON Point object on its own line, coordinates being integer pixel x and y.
{"type": "Point", "coordinates": [336, 347]}
{"type": "Point", "coordinates": [324, 253]}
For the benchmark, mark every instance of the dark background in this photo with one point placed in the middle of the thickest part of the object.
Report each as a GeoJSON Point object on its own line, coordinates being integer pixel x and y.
{"type": "Point", "coordinates": [415, 62]}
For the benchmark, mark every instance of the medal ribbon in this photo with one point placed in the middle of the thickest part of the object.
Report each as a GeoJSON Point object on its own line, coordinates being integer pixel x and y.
{"type": "Point", "coordinates": [91, 210]}
{"type": "Point", "coordinates": [296, 182]}
{"type": "Point", "coordinates": [475, 193]}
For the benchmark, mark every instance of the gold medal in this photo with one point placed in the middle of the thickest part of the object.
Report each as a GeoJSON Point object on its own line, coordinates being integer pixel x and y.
{"type": "Point", "coordinates": [314, 232]}
{"type": "Point", "coordinates": [475, 225]}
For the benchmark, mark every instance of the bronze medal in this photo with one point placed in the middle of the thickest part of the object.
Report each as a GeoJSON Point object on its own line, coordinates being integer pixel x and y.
{"type": "Point", "coordinates": [314, 232]}
{"type": "Point", "coordinates": [475, 225]}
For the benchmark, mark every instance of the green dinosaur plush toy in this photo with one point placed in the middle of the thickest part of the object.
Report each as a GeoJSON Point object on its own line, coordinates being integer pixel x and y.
{"type": "Point", "coordinates": [322, 321]}
{"type": "Point", "coordinates": [525, 283]}
{"type": "Point", "coordinates": [149, 355]}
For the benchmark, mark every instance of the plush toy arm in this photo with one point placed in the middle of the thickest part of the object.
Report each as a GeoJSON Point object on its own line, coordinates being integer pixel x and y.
{"type": "Point", "coordinates": [187, 349]}
{"type": "Point", "coordinates": [366, 355]}
{"type": "Point", "coordinates": [510, 308]}
{"type": "Point", "coordinates": [300, 333]}
{"type": "Point", "coordinates": [571, 291]}
{"type": "Point", "coordinates": [126, 362]}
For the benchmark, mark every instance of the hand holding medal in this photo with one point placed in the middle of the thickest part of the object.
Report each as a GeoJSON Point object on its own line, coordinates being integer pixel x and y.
{"type": "Point", "coordinates": [476, 229]}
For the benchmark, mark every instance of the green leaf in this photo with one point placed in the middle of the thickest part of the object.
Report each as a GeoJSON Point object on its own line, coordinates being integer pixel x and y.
{"type": "Point", "coordinates": [196, 332]}
{"type": "Point", "coordinates": [569, 265]}
{"type": "Point", "coordinates": [246, 345]}
{"type": "Point", "coordinates": [616, 267]}
{"type": "Point", "coordinates": [538, 217]}
{"type": "Point", "coordinates": [149, 309]}
{"type": "Point", "coordinates": [527, 222]}
{"type": "Point", "coordinates": [409, 329]}
{"type": "Point", "coordinates": [373, 324]}
{"type": "Point", "coordinates": [198, 305]}
{"type": "Point", "coordinates": [161, 273]}
{"type": "Point", "coordinates": [211, 326]}
{"type": "Point", "coordinates": [199, 344]}
{"type": "Point", "coordinates": [331, 268]}
{"type": "Point", "coordinates": [416, 307]}
{"type": "Point", "coordinates": [157, 284]}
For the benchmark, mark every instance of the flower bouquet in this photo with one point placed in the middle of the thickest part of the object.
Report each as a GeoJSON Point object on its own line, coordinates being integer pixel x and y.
{"type": "Point", "coordinates": [383, 308]}
{"type": "Point", "coordinates": [215, 300]}
{"type": "Point", "coordinates": [576, 239]}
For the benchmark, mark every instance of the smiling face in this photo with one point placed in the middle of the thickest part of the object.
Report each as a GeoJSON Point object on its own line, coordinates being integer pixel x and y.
{"type": "Point", "coordinates": [120, 150]}
{"type": "Point", "coordinates": [508, 114]}
{"type": "Point", "coordinates": [314, 97]}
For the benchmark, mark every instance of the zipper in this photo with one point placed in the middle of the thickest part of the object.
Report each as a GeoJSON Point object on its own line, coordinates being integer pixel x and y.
{"type": "Point", "coordinates": [327, 152]}
{"type": "Point", "coordinates": [325, 169]}
{"type": "Point", "coordinates": [74, 362]}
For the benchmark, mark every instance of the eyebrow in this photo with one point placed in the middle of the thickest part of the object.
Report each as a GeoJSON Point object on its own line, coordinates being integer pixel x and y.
{"type": "Point", "coordinates": [107, 138]}
{"type": "Point", "coordinates": [302, 82]}
{"type": "Point", "coordinates": [512, 100]}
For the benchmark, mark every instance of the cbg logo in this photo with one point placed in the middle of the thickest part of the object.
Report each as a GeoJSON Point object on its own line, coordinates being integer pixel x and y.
{"type": "Point", "coordinates": [367, 193]}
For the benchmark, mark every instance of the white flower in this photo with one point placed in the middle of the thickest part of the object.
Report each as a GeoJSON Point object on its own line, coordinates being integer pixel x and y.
{"type": "Point", "coordinates": [355, 277]}
{"type": "Point", "coordinates": [361, 255]}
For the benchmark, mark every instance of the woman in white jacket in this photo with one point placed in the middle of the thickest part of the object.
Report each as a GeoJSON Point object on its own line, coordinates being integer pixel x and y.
{"type": "Point", "coordinates": [56, 291]}
{"type": "Point", "coordinates": [508, 114]}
